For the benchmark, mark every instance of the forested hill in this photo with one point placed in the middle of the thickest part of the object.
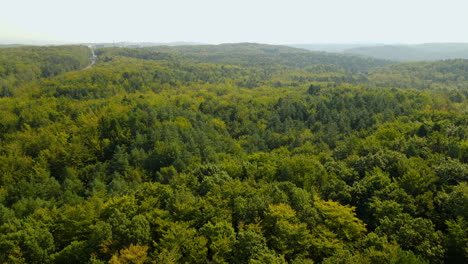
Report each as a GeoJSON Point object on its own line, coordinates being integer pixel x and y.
{"type": "Point", "coordinates": [281, 70]}
{"type": "Point", "coordinates": [445, 74]}
{"type": "Point", "coordinates": [10, 45]}
{"type": "Point", "coordinates": [422, 52]}
{"type": "Point", "coordinates": [243, 155]}
{"type": "Point", "coordinates": [19, 65]}
{"type": "Point", "coordinates": [252, 54]}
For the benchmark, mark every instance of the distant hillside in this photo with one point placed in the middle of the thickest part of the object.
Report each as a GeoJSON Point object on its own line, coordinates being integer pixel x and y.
{"type": "Point", "coordinates": [138, 44]}
{"type": "Point", "coordinates": [423, 52]}
{"type": "Point", "coordinates": [10, 45]}
{"type": "Point", "coordinates": [332, 47]}
{"type": "Point", "coordinates": [20, 65]}
{"type": "Point", "coordinates": [444, 74]}
{"type": "Point", "coordinates": [257, 54]}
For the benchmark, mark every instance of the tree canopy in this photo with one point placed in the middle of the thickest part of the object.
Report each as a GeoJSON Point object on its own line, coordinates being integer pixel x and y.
{"type": "Point", "coordinates": [240, 153]}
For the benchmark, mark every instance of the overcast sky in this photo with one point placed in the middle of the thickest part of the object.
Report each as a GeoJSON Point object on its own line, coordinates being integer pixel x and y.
{"type": "Point", "coordinates": [222, 21]}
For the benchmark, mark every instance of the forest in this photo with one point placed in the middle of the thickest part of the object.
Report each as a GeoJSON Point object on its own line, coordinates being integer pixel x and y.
{"type": "Point", "coordinates": [233, 153]}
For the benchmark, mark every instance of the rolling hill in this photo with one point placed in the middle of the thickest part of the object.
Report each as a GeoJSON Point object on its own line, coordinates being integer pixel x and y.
{"type": "Point", "coordinates": [422, 52]}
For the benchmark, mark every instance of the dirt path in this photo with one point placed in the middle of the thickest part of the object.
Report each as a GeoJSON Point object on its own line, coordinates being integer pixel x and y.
{"type": "Point", "coordinates": [93, 57]}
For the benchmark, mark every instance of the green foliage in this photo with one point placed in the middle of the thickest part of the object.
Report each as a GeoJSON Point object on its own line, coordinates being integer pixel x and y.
{"type": "Point", "coordinates": [341, 220]}
{"type": "Point", "coordinates": [188, 245]}
{"type": "Point", "coordinates": [238, 153]}
{"type": "Point", "coordinates": [285, 233]}
{"type": "Point", "coordinates": [457, 240]}
{"type": "Point", "coordinates": [406, 257]}
{"type": "Point", "coordinates": [21, 65]}
{"type": "Point", "coordinates": [134, 254]}
{"type": "Point", "coordinates": [222, 238]}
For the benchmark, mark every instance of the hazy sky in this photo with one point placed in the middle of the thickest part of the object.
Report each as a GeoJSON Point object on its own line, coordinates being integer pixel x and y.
{"type": "Point", "coordinates": [221, 21]}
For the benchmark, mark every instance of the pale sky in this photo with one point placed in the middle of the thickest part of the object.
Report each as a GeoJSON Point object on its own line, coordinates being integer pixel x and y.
{"type": "Point", "coordinates": [223, 21]}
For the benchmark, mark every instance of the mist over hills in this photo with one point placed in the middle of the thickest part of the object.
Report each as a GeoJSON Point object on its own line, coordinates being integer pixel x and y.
{"type": "Point", "coordinates": [125, 44]}
{"type": "Point", "coordinates": [429, 51]}
{"type": "Point", "coordinates": [396, 52]}
{"type": "Point", "coordinates": [333, 47]}
{"type": "Point", "coordinates": [392, 52]}
{"type": "Point", "coordinates": [10, 45]}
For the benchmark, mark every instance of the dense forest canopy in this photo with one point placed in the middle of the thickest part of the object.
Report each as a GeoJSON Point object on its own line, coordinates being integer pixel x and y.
{"type": "Point", "coordinates": [22, 65]}
{"type": "Point", "coordinates": [235, 153]}
{"type": "Point", "coordinates": [252, 54]}
{"type": "Point", "coordinates": [446, 75]}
